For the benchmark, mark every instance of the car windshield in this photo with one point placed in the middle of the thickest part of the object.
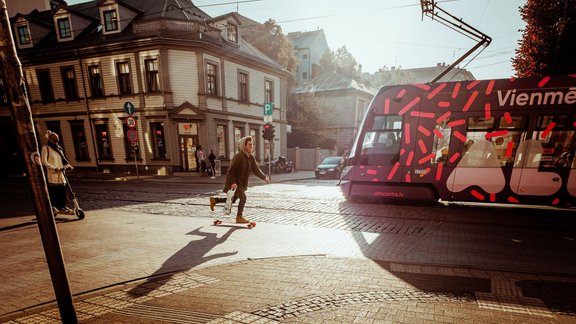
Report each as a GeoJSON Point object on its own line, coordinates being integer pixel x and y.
{"type": "Point", "coordinates": [331, 160]}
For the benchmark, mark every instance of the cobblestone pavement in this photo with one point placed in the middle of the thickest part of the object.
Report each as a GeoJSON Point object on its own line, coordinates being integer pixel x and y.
{"type": "Point", "coordinates": [307, 261]}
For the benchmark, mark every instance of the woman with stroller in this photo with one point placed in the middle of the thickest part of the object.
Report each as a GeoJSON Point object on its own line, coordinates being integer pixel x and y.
{"type": "Point", "coordinates": [56, 163]}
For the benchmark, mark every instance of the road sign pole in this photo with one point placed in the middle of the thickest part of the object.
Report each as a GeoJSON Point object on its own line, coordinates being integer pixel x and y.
{"type": "Point", "coordinates": [136, 162]}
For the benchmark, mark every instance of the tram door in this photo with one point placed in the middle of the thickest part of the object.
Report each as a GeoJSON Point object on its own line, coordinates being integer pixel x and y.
{"type": "Point", "coordinates": [188, 144]}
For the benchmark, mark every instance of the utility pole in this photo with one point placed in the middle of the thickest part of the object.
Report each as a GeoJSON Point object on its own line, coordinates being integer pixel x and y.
{"type": "Point", "coordinates": [13, 79]}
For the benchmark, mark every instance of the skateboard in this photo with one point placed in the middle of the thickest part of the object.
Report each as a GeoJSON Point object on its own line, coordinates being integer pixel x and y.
{"type": "Point", "coordinates": [231, 222]}
{"type": "Point", "coordinates": [228, 210]}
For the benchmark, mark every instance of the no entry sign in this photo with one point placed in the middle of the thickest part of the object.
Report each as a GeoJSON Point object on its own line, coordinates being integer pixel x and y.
{"type": "Point", "coordinates": [132, 135]}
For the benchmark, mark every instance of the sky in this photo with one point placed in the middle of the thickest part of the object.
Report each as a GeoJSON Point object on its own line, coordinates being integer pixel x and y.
{"type": "Point", "coordinates": [394, 33]}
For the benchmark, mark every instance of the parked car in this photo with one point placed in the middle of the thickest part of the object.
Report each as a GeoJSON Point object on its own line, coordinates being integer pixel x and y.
{"type": "Point", "coordinates": [331, 167]}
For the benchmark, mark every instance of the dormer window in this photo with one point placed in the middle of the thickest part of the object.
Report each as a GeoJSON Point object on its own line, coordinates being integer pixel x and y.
{"type": "Point", "coordinates": [23, 35]}
{"type": "Point", "coordinates": [232, 33]}
{"type": "Point", "coordinates": [64, 30]}
{"type": "Point", "coordinates": [110, 20]}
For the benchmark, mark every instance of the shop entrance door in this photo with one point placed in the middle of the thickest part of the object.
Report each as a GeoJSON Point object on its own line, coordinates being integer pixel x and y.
{"type": "Point", "coordinates": [188, 145]}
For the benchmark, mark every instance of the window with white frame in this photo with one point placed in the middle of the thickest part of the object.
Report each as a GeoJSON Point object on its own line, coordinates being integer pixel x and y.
{"type": "Point", "coordinates": [69, 82]}
{"type": "Point", "coordinates": [124, 79]}
{"type": "Point", "coordinates": [64, 30]}
{"type": "Point", "coordinates": [110, 20]}
{"type": "Point", "coordinates": [232, 33]}
{"type": "Point", "coordinates": [212, 79]}
{"type": "Point", "coordinates": [152, 77]}
{"type": "Point", "coordinates": [242, 86]}
{"type": "Point", "coordinates": [268, 91]}
{"type": "Point", "coordinates": [96, 84]}
{"type": "Point", "coordinates": [23, 35]}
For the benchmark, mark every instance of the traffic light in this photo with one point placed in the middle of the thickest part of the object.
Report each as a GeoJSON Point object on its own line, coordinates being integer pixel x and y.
{"type": "Point", "coordinates": [268, 131]}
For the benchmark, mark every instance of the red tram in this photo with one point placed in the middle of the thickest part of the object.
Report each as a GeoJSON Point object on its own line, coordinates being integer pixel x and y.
{"type": "Point", "coordinates": [505, 141]}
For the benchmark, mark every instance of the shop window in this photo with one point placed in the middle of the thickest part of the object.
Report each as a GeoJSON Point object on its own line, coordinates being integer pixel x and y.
{"type": "Point", "coordinates": [79, 140]}
{"type": "Point", "coordinates": [221, 134]}
{"type": "Point", "coordinates": [103, 142]}
{"type": "Point", "coordinates": [158, 141]}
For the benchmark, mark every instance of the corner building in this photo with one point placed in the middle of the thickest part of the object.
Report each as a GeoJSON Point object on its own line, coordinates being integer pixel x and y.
{"type": "Point", "coordinates": [191, 79]}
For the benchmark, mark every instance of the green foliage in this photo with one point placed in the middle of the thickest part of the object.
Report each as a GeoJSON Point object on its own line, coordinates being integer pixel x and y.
{"type": "Point", "coordinates": [548, 42]}
{"type": "Point", "coordinates": [268, 39]}
{"type": "Point", "coordinates": [341, 62]}
{"type": "Point", "coordinates": [308, 119]}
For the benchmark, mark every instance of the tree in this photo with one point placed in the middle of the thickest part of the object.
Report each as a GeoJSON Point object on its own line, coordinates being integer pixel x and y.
{"type": "Point", "coordinates": [341, 62]}
{"type": "Point", "coordinates": [268, 39]}
{"type": "Point", "coordinates": [311, 118]}
{"type": "Point", "coordinates": [549, 41]}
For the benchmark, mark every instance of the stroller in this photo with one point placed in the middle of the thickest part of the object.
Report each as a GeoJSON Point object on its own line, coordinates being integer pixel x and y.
{"type": "Point", "coordinates": [71, 200]}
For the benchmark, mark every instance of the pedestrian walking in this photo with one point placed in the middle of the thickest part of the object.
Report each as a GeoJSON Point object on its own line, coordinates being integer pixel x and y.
{"type": "Point", "coordinates": [242, 164]}
{"type": "Point", "coordinates": [55, 161]}
{"type": "Point", "coordinates": [212, 160]}
{"type": "Point", "coordinates": [202, 159]}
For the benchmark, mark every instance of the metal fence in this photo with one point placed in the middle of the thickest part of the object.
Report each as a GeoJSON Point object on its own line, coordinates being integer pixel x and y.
{"type": "Point", "coordinates": [308, 159]}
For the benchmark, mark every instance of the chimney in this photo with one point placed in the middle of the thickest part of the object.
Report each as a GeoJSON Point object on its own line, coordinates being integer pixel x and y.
{"type": "Point", "coordinates": [360, 68]}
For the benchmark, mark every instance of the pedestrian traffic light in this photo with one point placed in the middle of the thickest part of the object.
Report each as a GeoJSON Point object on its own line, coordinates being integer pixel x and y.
{"type": "Point", "coordinates": [266, 131]}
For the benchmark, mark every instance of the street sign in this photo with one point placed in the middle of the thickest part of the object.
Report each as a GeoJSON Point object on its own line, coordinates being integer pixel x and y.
{"type": "Point", "coordinates": [131, 122]}
{"type": "Point", "coordinates": [268, 119]}
{"type": "Point", "coordinates": [268, 108]}
{"type": "Point", "coordinates": [132, 135]}
{"type": "Point", "coordinates": [129, 108]}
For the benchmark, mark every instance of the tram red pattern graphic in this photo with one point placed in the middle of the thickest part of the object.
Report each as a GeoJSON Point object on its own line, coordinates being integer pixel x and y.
{"type": "Point", "coordinates": [437, 171]}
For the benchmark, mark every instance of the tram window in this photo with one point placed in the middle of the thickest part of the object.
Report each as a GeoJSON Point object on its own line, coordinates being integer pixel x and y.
{"type": "Point", "coordinates": [512, 122]}
{"type": "Point", "coordinates": [387, 122]}
{"type": "Point", "coordinates": [516, 127]}
{"type": "Point", "coordinates": [557, 136]}
{"type": "Point", "coordinates": [478, 123]}
{"type": "Point", "coordinates": [381, 148]}
{"type": "Point", "coordinates": [480, 127]}
{"type": "Point", "coordinates": [442, 144]}
{"type": "Point", "coordinates": [480, 154]}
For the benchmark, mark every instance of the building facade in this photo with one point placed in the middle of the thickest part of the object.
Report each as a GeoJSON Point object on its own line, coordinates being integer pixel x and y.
{"type": "Point", "coordinates": [308, 49]}
{"type": "Point", "coordinates": [184, 79]}
{"type": "Point", "coordinates": [343, 102]}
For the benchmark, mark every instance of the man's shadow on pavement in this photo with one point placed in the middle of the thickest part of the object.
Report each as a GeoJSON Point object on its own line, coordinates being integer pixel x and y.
{"type": "Point", "coordinates": [190, 256]}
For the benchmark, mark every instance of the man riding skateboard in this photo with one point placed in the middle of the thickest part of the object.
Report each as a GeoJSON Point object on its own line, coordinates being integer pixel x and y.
{"type": "Point", "coordinates": [237, 177]}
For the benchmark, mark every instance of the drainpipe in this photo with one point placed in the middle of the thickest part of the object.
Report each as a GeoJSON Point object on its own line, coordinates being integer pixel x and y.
{"type": "Point", "coordinates": [88, 110]}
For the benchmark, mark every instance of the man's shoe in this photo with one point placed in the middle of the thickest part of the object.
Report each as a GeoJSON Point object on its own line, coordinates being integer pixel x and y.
{"type": "Point", "coordinates": [212, 203]}
{"type": "Point", "coordinates": [241, 220]}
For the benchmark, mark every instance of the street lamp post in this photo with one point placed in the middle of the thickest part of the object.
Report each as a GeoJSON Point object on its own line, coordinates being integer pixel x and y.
{"type": "Point", "coordinates": [13, 79]}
